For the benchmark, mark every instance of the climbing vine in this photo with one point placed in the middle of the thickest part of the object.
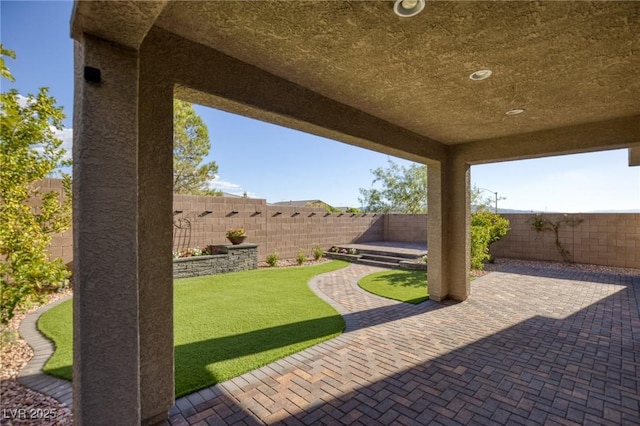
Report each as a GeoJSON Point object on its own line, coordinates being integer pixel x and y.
{"type": "Point", "coordinates": [541, 224]}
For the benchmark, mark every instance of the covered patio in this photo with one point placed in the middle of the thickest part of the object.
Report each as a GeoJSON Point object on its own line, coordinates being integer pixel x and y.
{"type": "Point", "coordinates": [565, 78]}
{"type": "Point", "coordinates": [511, 354]}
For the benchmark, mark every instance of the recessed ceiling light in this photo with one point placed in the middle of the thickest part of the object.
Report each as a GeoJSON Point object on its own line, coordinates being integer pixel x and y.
{"type": "Point", "coordinates": [480, 75]}
{"type": "Point", "coordinates": [408, 8]}
{"type": "Point", "coordinates": [515, 111]}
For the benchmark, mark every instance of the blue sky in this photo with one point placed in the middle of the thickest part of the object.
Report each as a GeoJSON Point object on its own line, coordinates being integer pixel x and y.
{"type": "Point", "coordinates": [280, 164]}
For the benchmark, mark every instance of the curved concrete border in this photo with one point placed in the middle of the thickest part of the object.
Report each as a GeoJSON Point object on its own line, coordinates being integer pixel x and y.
{"type": "Point", "coordinates": [31, 375]}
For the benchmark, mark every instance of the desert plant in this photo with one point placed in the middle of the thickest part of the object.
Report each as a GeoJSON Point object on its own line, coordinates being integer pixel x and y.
{"type": "Point", "coordinates": [272, 259]}
{"type": "Point", "coordinates": [317, 252]}
{"type": "Point", "coordinates": [301, 257]}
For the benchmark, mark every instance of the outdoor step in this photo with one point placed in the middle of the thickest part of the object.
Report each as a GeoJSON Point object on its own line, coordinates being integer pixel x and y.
{"type": "Point", "coordinates": [383, 258]}
{"type": "Point", "coordinates": [388, 253]}
{"type": "Point", "coordinates": [383, 252]}
{"type": "Point", "coordinates": [393, 265]}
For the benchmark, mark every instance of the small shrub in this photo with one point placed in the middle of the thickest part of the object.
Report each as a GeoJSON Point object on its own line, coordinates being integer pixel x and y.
{"type": "Point", "coordinates": [272, 259]}
{"type": "Point", "coordinates": [486, 228]}
{"type": "Point", "coordinates": [353, 251]}
{"type": "Point", "coordinates": [317, 252]}
{"type": "Point", "coordinates": [301, 257]}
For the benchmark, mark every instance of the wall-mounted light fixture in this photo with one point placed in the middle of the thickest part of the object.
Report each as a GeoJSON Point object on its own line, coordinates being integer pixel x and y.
{"type": "Point", "coordinates": [175, 212]}
{"type": "Point", "coordinates": [277, 213]}
{"type": "Point", "coordinates": [204, 213]}
{"type": "Point", "coordinates": [341, 214]}
{"type": "Point", "coordinates": [408, 8]}
{"type": "Point", "coordinates": [295, 214]}
{"type": "Point", "coordinates": [312, 214]}
{"type": "Point", "coordinates": [234, 211]}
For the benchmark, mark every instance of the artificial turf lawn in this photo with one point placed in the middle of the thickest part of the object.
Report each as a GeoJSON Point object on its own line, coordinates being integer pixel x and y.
{"type": "Point", "coordinates": [226, 325]}
{"type": "Point", "coordinates": [402, 285]}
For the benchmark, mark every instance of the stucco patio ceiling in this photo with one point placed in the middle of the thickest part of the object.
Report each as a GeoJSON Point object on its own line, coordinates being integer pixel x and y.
{"type": "Point", "coordinates": [569, 65]}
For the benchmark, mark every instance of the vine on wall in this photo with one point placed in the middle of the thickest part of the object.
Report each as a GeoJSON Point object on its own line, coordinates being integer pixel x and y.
{"type": "Point", "coordinates": [541, 224]}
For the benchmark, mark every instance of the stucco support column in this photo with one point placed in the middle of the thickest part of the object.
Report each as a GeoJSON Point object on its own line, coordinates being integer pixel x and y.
{"type": "Point", "coordinates": [105, 209]}
{"type": "Point", "coordinates": [155, 227]}
{"type": "Point", "coordinates": [634, 156]}
{"type": "Point", "coordinates": [448, 230]}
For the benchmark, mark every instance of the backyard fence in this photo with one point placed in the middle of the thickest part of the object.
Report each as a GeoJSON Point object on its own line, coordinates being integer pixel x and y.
{"type": "Point", "coordinates": [597, 238]}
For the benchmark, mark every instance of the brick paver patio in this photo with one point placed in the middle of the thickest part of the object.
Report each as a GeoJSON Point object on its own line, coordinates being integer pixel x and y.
{"type": "Point", "coordinates": [530, 346]}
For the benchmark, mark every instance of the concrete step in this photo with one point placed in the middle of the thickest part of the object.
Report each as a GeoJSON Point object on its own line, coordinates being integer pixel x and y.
{"type": "Point", "coordinates": [383, 258]}
{"type": "Point", "coordinates": [392, 265]}
{"type": "Point", "coordinates": [388, 253]}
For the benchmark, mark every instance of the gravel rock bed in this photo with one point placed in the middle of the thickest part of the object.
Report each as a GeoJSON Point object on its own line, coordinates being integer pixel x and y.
{"type": "Point", "coordinates": [15, 352]}
{"type": "Point", "coordinates": [502, 262]}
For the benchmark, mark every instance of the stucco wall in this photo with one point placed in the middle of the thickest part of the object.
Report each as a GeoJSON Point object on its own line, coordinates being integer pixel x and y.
{"type": "Point", "coordinates": [600, 239]}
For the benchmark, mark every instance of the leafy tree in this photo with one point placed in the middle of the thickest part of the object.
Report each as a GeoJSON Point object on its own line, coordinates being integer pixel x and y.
{"type": "Point", "coordinates": [29, 152]}
{"type": "Point", "coordinates": [190, 146]}
{"type": "Point", "coordinates": [403, 190]}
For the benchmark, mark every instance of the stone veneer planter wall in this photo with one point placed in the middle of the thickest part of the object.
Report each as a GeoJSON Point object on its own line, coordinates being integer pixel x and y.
{"type": "Point", "coordinates": [240, 257]}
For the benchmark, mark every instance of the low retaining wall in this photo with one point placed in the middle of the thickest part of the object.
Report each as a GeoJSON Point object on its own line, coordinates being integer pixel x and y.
{"type": "Point", "coordinates": [241, 257]}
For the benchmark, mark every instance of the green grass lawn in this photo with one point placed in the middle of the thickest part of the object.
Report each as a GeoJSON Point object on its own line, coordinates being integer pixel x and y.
{"type": "Point", "coordinates": [405, 286]}
{"type": "Point", "coordinates": [226, 325]}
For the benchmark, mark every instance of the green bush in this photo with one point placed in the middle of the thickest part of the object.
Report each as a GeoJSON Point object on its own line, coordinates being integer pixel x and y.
{"type": "Point", "coordinates": [272, 259]}
{"type": "Point", "coordinates": [301, 257]}
{"type": "Point", "coordinates": [29, 152]}
{"type": "Point", "coordinates": [317, 252]}
{"type": "Point", "coordinates": [486, 228]}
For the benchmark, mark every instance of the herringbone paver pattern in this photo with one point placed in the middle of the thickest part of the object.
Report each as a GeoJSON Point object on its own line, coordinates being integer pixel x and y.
{"type": "Point", "coordinates": [529, 347]}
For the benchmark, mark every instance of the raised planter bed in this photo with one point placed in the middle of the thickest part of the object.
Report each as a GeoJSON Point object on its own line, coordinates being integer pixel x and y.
{"type": "Point", "coordinates": [235, 258]}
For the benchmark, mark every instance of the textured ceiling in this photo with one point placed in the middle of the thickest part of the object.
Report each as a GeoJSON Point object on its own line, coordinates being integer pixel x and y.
{"type": "Point", "coordinates": [566, 63]}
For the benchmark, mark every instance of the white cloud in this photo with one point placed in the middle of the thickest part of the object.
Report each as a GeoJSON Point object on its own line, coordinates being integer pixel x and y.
{"type": "Point", "coordinates": [65, 134]}
{"type": "Point", "coordinates": [229, 187]}
{"type": "Point", "coordinates": [67, 140]}
{"type": "Point", "coordinates": [23, 101]}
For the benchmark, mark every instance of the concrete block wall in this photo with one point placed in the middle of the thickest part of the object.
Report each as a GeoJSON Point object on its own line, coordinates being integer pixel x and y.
{"type": "Point", "coordinates": [61, 244]}
{"type": "Point", "coordinates": [406, 227]}
{"type": "Point", "coordinates": [290, 229]}
{"type": "Point", "coordinates": [285, 229]}
{"type": "Point", "coordinates": [600, 239]}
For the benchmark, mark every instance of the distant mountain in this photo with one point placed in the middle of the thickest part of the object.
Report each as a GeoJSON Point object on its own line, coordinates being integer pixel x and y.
{"type": "Point", "coordinates": [514, 211]}
{"type": "Point", "coordinates": [615, 211]}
